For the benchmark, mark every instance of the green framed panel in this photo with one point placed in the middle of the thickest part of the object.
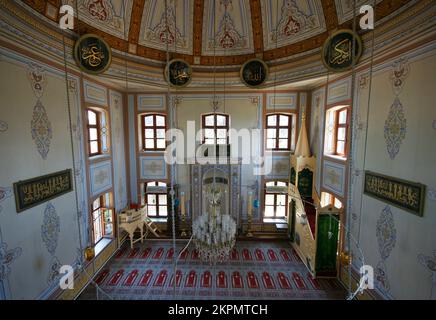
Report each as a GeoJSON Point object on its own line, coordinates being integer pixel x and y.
{"type": "Point", "coordinates": [327, 244]}
{"type": "Point", "coordinates": [305, 183]}
{"type": "Point", "coordinates": [32, 192]}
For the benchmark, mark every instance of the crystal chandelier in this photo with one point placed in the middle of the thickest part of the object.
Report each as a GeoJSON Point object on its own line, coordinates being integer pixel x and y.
{"type": "Point", "coordinates": [214, 233]}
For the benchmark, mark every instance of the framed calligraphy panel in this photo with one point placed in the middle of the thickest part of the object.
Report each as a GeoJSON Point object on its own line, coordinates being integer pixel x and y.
{"type": "Point", "coordinates": [254, 73]}
{"type": "Point", "coordinates": [32, 192]}
{"type": "Point", "coordinates": [338, 53]}
{"type": "Point", "coordinates": [92, 54]}
{"type": "Point", "coordinates": [403, 194]}
{"type": "Point", "coordinates": [178, 73]}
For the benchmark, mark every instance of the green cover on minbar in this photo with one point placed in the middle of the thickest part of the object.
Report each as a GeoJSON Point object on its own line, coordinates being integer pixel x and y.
{"type": "Point", "coordinates": [327, 248]}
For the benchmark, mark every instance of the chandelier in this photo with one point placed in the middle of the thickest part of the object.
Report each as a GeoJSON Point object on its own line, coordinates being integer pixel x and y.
{"type": "Point", "coordinates": [214, 232]}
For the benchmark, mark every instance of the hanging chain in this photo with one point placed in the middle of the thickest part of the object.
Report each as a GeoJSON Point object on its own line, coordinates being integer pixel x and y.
{"type": "Point", "coordinates": [350, 157]}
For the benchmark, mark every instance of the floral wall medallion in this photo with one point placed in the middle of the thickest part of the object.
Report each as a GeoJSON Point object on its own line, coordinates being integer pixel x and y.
{"type": "Point", "coordinates": [381, 276]}
{"type": "Point", "coordinates": [3, 126]}
{"type": "Point", "coordinates": [41, 129]}
{"type": "Point", "coordinates": [50, 228]}
{"type": "Point", "coordinates": [37, 78]}
{"type": "Point", "coordinates": [5, 193]}
{"type": "Point", "coordinates": [395, 128]}
{"type": "Point", "coordinates": [53, 273]}
{"type": "Point", "coordinates": [386, 238]}
{"type": "Point", "coordinates": [398, 75]}
{"type": "Point", "coordinates": [6, 259]}
{"type": "Point", "coordinates": [386, 233]}
{"type": "Point", "coordinates": [432, 194]}
{"type": "Point", "coordinates": [429, 262]}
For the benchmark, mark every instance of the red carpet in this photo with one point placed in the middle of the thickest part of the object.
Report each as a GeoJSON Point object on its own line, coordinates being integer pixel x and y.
{"type": "Point", "coordinates": [255, 271]}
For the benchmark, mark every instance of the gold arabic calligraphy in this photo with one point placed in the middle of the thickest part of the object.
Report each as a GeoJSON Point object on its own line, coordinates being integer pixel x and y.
{"type": "Point", "coordinates": [42, 190]}
{"type": "Point", "coordinates": [342, 52]}
{"type": "Point", "coordinates": [402, 194]}
{"type": "Point", "coordinates": [93, 55]}
{"type": "Point", "coordinates": [179, 74]}
{"type": "Point", "coordinates": [254, 76]}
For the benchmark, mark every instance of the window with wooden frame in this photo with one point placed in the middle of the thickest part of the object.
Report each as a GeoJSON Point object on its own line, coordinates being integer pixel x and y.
{"type": "Point", "coordinates": [102, 218]}
{"type": "Point", "coordinates": [215, 128]}
{"type": "Point", "coordinates": [153, 132]}
{"type": "Point", "coordinates": [341, 132]}
{"type": "Point", "coordinates": [278, 132]}
{"type": "Point", "coordinates": [94, 132]}
{"type": "Point", "coordinates": [276, 204]}
{"type": "Point", "coordinates": [329, 199]}
{"type": "Point", "coordinates": [156, 199]}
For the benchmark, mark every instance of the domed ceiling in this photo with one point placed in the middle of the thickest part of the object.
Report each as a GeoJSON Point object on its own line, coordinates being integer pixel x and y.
{"type": "Point", "coordinates": [242, 29]}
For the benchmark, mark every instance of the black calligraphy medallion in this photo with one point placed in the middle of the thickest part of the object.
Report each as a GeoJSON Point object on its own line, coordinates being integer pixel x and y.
{"type": "Point", "coordinates": [254, 73]}
{"type": "Point", "coordinates": [338, 53]}
{"type": "Point", "coordinates": [178, 73]}
{"type": "Point", "coordinates": [92, 54]}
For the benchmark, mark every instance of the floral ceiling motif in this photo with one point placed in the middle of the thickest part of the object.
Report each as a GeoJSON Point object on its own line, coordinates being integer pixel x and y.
{"type": "Point", "coordinates": [7, 257]}
{"type": "Point", "coordinates": [169, 25]}
{"type": "Point", "coordinates": [242, 28]}
{"type": "Point", "coordinates": [293, 21]}
{"type": "Point", "coordinates": [344, 8]}
{"type": "Point", "coordinates": [395, 128]}
{"type": "Point", "coordinates": [229, 28]}
{"type": "Point", "coordinates": [106, 15]}
{"type": "Point", "coordinates": [50, 228]}
{"type": "Point", "coordinates": [41, 129]}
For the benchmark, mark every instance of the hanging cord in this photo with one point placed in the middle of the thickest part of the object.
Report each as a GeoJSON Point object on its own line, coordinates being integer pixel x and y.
{"type": "Point", "coordinates": [350, 157]}
{"type": "Point", "coordinates": [367, 118]}
{"type": "Point", "coordinates": [173, 223]}
{"type": "Point", "coordinates": [215, 99]}
{"type": "Point", "coordinates": [225, 56]}
{"type": "Point", "coordinates": [172, 192]}
{"type": "Point", "coordinates": [275, 85]}
{"type": "Point", "coordinates": [90, 278]}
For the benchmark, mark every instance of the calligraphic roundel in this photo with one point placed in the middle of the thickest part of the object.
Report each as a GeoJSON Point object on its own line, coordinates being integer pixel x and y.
{"type": "Point", "coordinates": [92, 54]}
{"type": "Point", "coordinates": [341, 50]}
{"type": "Point", "coordinates": [178, 73]}
{"type": "Point", "coordinates": [254, 73]}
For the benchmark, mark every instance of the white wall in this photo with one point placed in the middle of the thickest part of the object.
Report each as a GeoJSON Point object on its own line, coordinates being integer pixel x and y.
{"type": "Point", "coordinates": [407, 236]}
{"type": "Point", "coordinates": [29, 275]}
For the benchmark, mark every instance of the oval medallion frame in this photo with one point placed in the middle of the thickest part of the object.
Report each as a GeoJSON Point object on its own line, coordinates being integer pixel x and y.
{"type": "Point", "coordinates": [86, 67]}
{"type": "Point", "coordinates": [242, 73]}
{"type": "Point", "coordinates": [335, 37]}
{"type": "Point", "coordinates": [170, 65]}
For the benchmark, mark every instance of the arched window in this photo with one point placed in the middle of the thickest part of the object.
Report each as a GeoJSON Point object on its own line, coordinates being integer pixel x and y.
{"type": "Point", "coordinates": [94, 132]}
{"type": "Point", "coordinates": [153, 132]}
{"type": "Point", "coordinates": [215, 128]}
{"type": "Point", "coordinates": [278, 131]}
{"type": "Point", "coordinates": [156, 199]}
{"type": "Point", "coordinates": [276, 203]}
